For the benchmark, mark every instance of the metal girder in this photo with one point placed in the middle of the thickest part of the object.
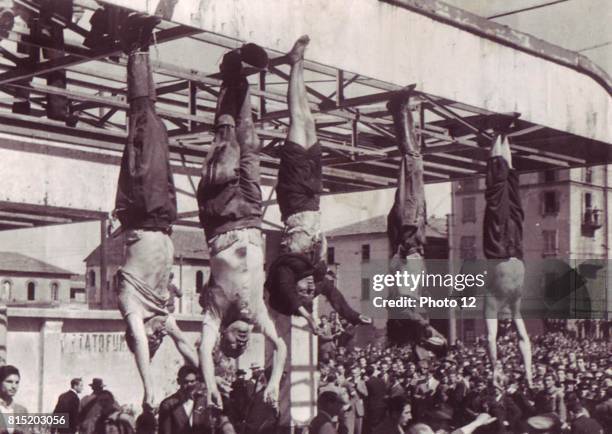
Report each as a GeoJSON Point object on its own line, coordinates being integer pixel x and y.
{"type": "Point", "coordinates": [47, 66]}
{"type": "Point", "coordinates": [355, 134]}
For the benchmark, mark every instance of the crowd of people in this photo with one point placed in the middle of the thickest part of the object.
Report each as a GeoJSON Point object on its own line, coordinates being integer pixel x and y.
{"type": "Point", "coordinates": [378, 389]}
{"type": "Point", "coordinates": [572, 386]}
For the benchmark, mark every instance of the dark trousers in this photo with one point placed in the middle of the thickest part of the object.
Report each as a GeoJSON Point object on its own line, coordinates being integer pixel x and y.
{"type": "Point", "coordinates": [299, 179]}
{"type": "Point", "coordinates": [146, 196]}
{"type": "Point", "coordinates": [229, 193]}
{"type": "Point", "coordinates": [407, 219]}
{"type": "Point", "coordinates": [503, 219]}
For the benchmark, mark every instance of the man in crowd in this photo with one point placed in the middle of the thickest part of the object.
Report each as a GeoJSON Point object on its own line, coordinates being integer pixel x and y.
{"type": "Point", "coordinates": [329, 406]}
{"type": "Point", "coordinates": [551, 399]}
{"type": "Point", "coordinates": [406, 230]}
{"type": "Point", "coordinates": [229, 201]}
{"type": "Point", "coordinates": [90, 407]}
{"type": "Point", "coordinates": [300, 274]}
{"type": "Point", "coordinates": [184, 412]}
{"type": "Point", "coordinates": [68, 404]}
{"type": "Point", "coordinates": [398, 416]}
{"type": "Point", "coordinates": [374, 401]}
{"type": "Point", "coordinates": [503, 248]}
{"type": "Point", "coordinates": [146, 208]}
{"type": "Point", "coordinates": [581, 420]}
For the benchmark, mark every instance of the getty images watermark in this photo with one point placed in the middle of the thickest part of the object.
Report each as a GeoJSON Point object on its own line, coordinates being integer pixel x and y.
{"type": "Point", "coordinates": [403, 281]}
{"type": "Point", "coordinates": [552, 288]}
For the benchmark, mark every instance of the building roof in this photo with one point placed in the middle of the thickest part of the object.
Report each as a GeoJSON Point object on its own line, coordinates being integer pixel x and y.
{"type": "Point", "coordinates": [188, 244]}
{"type": "Point", "coordinates": [436, 227]}
{"type": "Point", "coordinates": [16, 262]}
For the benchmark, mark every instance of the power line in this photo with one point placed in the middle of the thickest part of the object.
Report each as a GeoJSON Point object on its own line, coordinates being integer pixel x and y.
{"type": "Point", "coordinates": [518, 11]}
{"type": "Point", "coordinates": [603, 44]}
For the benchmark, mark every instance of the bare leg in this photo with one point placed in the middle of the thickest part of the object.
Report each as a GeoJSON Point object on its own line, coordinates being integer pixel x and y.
{"type": "Point", "coordinates": [524, 342]}
{"type": "Point", "coordinates": [187, 351]}
{"type": "Point", "coordinates": [492, 324]}
{"type": "Point", "coordinates": [501, 148]}
{"type": "Point", "coordinates": [301, 122]}
{"type": "Point", "coordinates": [142, 356]}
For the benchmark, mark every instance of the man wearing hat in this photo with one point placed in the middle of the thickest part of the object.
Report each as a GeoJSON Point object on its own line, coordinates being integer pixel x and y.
{"type": "Point", "coordinates": [91, 408]}
{"type": "Point", "coordinates": [300, 273]}
{"type": "Point", "coordinates": [581, 421]}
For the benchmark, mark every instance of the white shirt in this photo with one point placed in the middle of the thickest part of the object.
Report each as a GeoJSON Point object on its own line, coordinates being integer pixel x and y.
{"type": "Point", "coordinates": [7, 411]}
{"type": "Point", "coordinates": [188, 406]}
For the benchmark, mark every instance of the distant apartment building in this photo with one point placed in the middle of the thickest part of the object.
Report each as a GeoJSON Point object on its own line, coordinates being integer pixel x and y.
{"type": "Point", "coordinates": [28, 281]}
{"type": "Point", "coordinates": [191, 270]}
{"type": "Point", "coordinates": [565, 219]}
{"type": "Point", "coordinates": [358, 251]}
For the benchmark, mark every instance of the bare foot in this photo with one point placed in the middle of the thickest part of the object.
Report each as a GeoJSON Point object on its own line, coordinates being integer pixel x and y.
{"type": "Point", "coordinates": [297, 52]}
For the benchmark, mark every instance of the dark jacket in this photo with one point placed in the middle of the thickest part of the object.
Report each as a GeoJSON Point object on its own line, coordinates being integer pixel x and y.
{"type": "Point", "coordinates": [322, 424]}
{"type": "Point", "coordinates": [68, 403]}
{"type": "Point", "coordinates": [586, 425]}
{"type": "Point", "coordinates": [375, 401]}
{"type": "Point", "coordinates": [287, 270]}
{"type": "Point", "coordinates": [174, 420]}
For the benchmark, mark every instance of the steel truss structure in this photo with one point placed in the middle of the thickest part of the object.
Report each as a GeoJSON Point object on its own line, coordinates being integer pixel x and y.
{"type": "Point", "coordinates": [354, 126]}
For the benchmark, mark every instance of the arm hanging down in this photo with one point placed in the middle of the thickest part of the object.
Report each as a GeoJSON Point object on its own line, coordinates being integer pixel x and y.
{"type": "Point", "coordinates": [271, 394]}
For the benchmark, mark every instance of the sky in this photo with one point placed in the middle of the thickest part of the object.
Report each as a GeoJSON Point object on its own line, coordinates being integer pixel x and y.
{"type": "Point", "coordinates": [573, 24]}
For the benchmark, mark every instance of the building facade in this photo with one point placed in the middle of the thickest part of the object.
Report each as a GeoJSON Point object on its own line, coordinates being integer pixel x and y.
{"type": "Point", "coordinates": [359, 251]}
{"type": "Point", "coordinates": [566, 219]}
{"type": "Point", "coordinates": [191, 270]}
{"type": "Point", "coordinates": [28, 281]}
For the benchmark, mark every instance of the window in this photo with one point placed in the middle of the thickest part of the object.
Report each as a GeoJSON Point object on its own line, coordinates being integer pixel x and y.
{"type": "Point", "coordinates": [468, 209]}
{"type": "Point", "coordinates": [77, 295]}
{"type": "Point", "coordinates": [588, 200]}
{"type": "Point", "coordinates": [588, 175]}
{"type": "Point", "coordinates": [467, 247]}
{"type": "Point", "coordinates": [331, 255]}
{"type": "Point", "coordinates": [550, 242]}
{"type": "Point", "coordinates": [365, 252]}
{"type": "Point", "coordinates": [365, 289]}
{"type": "Point", "coordinates": [31, 291]}
{"type": "Point", "coordinates": [199, 277]}
{"type": "Point", "coordinates": [91, 279]}
{"type": "Point", "coordinates": [54, 291]}
{"type": "Point", "coordinates": [6, 288]}
{"type": "Point", "coordinates": [550, 203]}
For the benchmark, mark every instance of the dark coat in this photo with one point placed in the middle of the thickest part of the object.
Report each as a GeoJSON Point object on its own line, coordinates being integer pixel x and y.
{"type": "Point", "coordinates": [174, 420]}
{"type": "Point", "coordinates": [68, 403]}
{"type": "Point", "coordinates": [283, 276]}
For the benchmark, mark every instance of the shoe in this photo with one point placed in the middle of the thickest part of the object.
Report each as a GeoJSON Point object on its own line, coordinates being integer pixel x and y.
{"type": "Point", "coordinates": [254, 55]}
{"type": "Point", "coordinates": [432, 340]}
{"type": "Point", "coordinates": [231, 66]}
{"type": "Point", "coordinates": [365, 320]}
{"type": "Point", "coordinates": [98, 35]}
{"type": "Point", "coordinates": [137, 31]}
